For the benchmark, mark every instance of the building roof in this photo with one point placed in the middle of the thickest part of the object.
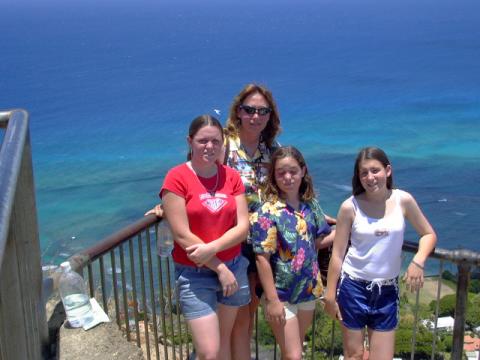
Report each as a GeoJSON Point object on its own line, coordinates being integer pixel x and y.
{"type": "Point", "coordinates": [471, 344]}
{"type": "Point", "coordinates": [442, 322]}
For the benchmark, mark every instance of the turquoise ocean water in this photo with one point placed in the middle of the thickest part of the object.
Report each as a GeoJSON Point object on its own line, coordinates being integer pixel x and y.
{"type": "Point", "coordinates": [111, 87]}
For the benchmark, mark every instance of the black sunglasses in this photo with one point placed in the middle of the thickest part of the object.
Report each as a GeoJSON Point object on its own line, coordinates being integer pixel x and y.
{"type": "Point", "coordinates": [250, 110]}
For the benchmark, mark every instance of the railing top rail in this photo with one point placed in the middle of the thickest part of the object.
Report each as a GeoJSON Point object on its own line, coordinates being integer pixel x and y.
{"type": "Point", "coordinates": [457, 256]}
{"type": "Point", "coordinates": [11, 152]}
{"type": "Point", "coordinates": [110, 242]}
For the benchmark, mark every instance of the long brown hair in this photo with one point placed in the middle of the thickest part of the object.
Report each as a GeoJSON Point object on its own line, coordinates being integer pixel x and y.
{"type": "Point", "coordinates": [369, 153]}
{"type": "Point", "coordinates": [273, 126]}
{"type": "Point", "coordinates": [306, 190]}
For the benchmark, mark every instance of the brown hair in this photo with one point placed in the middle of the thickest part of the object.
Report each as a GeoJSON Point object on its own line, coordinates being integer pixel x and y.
{"type": "Point", "coordinates": [273, 126]}
{"type": "Point", "coordinates": [306, 191]}
{"type": "Point", "coordinates": [200, 122]}
{"type": "Point", "coordinates": [369, 153]}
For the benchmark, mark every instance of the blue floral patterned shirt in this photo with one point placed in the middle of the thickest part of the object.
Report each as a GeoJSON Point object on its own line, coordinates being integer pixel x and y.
{"type": "Point", "coordinates": [252, 170]}
{"type": "Point", "coordinates": [289, 237]}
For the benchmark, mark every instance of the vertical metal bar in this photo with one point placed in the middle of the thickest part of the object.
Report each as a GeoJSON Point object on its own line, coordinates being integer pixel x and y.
{"type": "Point", "coordinates": [437, 306]}
{"type": "Point", "coordinates": [124, 293]}
{"type": "Point", "coordinates": [114, 285]}
{"type": "Point", "coordinates": [91, 285]}
{"type": "Point", "coordinates": [186, 337]}
{"type": "Point", "coordinates": [256, 333]}
{"type": "Point", "coordinates": [415, 326]}
{"type": "Point", "coordinates": [144, 294]}
{"type": "Point", "coordinates": [134, 289]}
{"type": "Point", "coordinates": [312, 342]}
{"type": "Point", "coordinates": [169, 297]}
{"type": "Point", "coordinates": [460, 310]}
{"type": "Point", "coordinates": [102, 283]}
{"type": "Point", "coordinates": [162, 305]}
{"type": "Point", "coordinates": [179, 324]}
{"type": "Point", "coordinates": [332, 339]}
{"type": "Point", "coordinates": [152, 293]}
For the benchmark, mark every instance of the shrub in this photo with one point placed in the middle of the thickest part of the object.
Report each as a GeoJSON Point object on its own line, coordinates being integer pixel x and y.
{"type": "Point", "coordinates": [446, 307]}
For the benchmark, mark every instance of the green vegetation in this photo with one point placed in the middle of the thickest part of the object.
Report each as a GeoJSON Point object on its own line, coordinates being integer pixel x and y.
{"type": "Point", "coordinates": [473, 286]}
{"type": "Point", "coordinates": [446, 306]}
{"type": "Point", "coordinates": [473, 312]}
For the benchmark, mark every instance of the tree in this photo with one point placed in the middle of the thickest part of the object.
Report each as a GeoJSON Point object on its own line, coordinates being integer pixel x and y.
{"type": "Point", "coordinates": [473, 312]}
{"type": "Point", "coordinates": [423, 343]}
{"type": "Point", "coordinates": [447, 275]}
{"type": "Point", "coordinates": [474, 286]}
{"type": "Point", "coordinates": [446, 307]}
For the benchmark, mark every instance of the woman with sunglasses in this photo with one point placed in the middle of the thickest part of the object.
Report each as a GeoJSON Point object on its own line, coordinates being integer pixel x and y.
{"type": "Point", "coordinates": [250, 139]}
{"type": "Point", "coordinates": [251, 130]}
{"type": "Point", "coordinates": [211, 273]}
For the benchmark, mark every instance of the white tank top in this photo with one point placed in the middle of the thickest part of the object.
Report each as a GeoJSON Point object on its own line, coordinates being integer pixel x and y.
{"type": "Point", "coordinates": [376, 244]}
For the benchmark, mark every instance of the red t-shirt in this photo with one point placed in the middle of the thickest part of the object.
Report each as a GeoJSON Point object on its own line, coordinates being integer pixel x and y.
{"type": "Point", "coordinates": [209, 216]}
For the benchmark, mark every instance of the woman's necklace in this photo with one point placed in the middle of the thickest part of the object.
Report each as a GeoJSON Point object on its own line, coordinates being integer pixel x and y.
{"type": "Point", "coordinates": [212, 190]}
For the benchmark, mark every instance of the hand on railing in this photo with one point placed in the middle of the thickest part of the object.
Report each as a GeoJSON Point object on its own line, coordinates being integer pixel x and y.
{"type": "Point", "coordinates": [157, 210]}
{"type": "Point", "coordinates": [414, 276]}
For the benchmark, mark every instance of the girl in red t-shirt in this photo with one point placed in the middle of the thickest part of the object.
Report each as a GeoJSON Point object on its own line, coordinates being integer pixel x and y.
{"type": "Point", "coordinates": [205, 205]}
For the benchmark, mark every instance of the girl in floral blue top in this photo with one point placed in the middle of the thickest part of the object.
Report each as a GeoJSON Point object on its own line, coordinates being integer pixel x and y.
{"type": "Point", "coordinates": [286, 231]}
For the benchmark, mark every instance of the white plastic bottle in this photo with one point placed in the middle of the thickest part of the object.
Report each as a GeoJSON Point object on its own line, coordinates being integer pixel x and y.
{"type": "Point", "coordinates": [74, 297]}
{"type": "Point", "coordinates": [164, 239]}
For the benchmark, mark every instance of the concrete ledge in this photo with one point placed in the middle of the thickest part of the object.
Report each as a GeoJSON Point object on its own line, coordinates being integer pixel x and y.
{"type": "Point", "coordinates": [103, 342]}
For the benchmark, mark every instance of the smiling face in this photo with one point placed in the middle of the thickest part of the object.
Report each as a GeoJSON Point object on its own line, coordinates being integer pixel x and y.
{"type": "Point", "coordinates": [253, 124]}
{"type": "Point", "coordinates": [373, 175]}
{"type": "Point", "coordinates": [288, 176]}
{"type": "Point", "coordinates": [206, 144]}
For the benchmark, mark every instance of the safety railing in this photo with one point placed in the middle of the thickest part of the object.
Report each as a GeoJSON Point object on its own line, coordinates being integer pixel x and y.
{"type": "Point", "coordinates": [23, 327]}
{"type": "Point", "coordinates": [136, 288]}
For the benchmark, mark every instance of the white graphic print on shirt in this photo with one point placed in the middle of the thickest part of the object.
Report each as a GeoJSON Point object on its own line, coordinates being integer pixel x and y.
{"type": "Point", "coordinates": [213, 203]}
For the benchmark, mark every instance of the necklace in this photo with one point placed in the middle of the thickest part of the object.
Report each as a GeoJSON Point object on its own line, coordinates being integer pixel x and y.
{"type": "Point", "coordinates": [212, 190]}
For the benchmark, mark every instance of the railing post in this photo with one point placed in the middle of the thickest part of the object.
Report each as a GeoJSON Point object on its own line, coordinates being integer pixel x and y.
{"type": "Point", "coordinates": [23, 326]}
{"type": "Point", "coordinates": [460, 310]}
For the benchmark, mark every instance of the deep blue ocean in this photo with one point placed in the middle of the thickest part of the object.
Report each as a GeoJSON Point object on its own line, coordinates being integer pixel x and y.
{"type": "Point", "coordinates": [111, 87]}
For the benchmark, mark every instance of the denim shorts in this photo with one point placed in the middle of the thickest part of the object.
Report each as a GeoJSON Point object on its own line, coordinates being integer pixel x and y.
{"type": "Point", "coordinates": [199, 289]}
{"type": "Point", "coordinates": [368, 303]}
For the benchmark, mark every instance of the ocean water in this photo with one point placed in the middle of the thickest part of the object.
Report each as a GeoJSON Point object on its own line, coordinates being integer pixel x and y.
{"type": "Point", "coordinates": [111, 87]}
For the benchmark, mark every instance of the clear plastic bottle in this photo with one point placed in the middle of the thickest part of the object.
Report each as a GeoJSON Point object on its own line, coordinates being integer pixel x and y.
{"type": "Point", "coordinates": [164, 239]}
{"type": "Point", "coordinates": [74, 297]}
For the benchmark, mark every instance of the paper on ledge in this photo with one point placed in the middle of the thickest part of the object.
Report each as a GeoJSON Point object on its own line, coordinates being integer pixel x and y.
{"type": "Point", "coordinates": [98, 317]}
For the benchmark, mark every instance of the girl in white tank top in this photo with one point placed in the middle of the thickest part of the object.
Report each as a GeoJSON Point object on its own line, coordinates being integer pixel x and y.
{"type": "Point", "coordinates": [376, 243]}
{"type": "Point", "coordinates": [373, 220]}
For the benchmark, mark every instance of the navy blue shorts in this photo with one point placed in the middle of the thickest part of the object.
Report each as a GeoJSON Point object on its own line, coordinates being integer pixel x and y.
{"type": "Point", "coordinates": [368, 303]}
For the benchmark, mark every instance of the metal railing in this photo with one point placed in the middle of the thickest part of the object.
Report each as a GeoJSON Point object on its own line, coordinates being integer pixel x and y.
{"type": "Point", "coordinates": [22, 310]}
{"type": "Point", "coordinates": [135, 287]}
